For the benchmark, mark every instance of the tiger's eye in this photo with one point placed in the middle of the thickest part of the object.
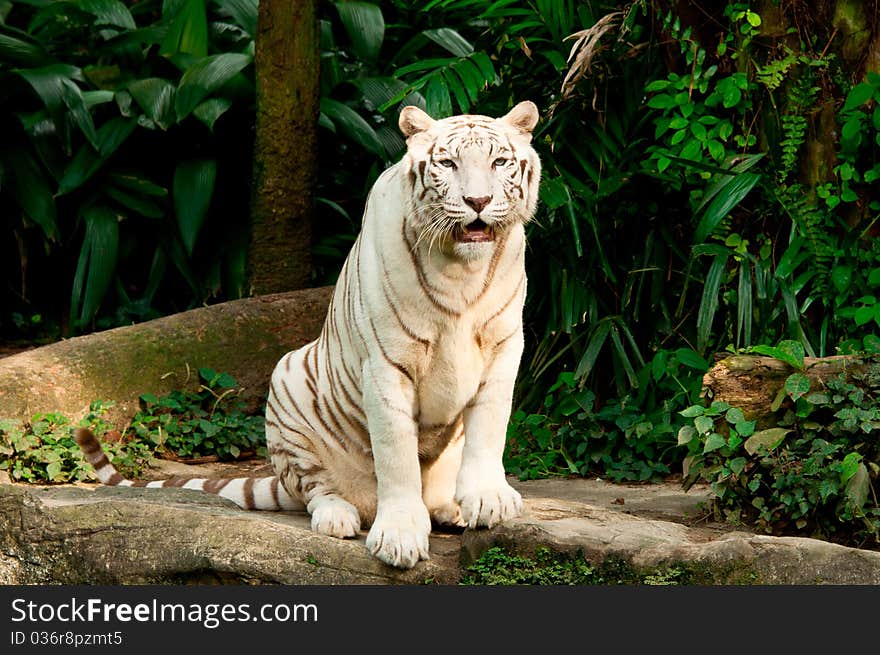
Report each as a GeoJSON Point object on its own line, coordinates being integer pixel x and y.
{"type": "Point", "coordinates": [447, 163]}
{"type": "Point", "coordinates": [501, 161]}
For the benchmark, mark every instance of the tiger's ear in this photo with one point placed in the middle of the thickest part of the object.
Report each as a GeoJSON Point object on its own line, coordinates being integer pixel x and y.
{"type": "Point", "coordinates": [523, 117]}
{"type": "Point", "coordinates": [413, 120]}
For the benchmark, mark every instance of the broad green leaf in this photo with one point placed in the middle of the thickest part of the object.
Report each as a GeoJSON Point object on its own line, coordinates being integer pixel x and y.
{"type": "Point", "coordinates": [22, 50]}
{"type": "Point", "coordinates": [365, 26]}
{"type": "Point", "coordinates": [713, 442]}
{"type": "Point", "coordinates": [858, 95]}
{"type": "Point", "coordinates": [745, 428]}
{"type": "Point", "coordinates": [858, 486]}
{"type": "Point", "coordinates": [156, 97]}
{"type": "Point", "coordinates": [797, 385]}
{"type": "Point", "coordinates": [205, 77]}
{"type": "Point", "coordinates": [142, 206]}
{"type": "Point", "coordinates": [734, 415]}
{"type": "Point", "coordinates": [192, 193]}
{"type": "Point", "coordinates": [97, 263]}
{"type": "Point", "coordinates": [704, 424]}
{"type": "Point", "coordinates": [790, 352]}
{"type": "Point", "coordinates": [693, 411]}
{"type": "Point", "coordinates": [692, 359]}
{"type": "Point", "coordinates": [765, 440]}
{"type": "Point", "coordinates": [210, 110]}
{"type": "Point", "coordinates": [349, 122]}
{"type": "Point", "coordinates": [737, 464]}
{"type": "Point", "coordinates": [685, 434]}
{"type": "Point", "coordinates": [439, 104]}
{"type": "Point", "coordinates": [87, 162]}
{"type": "Point", "coordinates": [841, 276]}
{"type": "Point", "coordinates": [188, 32]}
{"type": "Point", "coordinates": [29, 186]}
{"type": "Point", "coordinates": [108, 12]}
{"type": "Point", "coordinates": [450, 40]}
{"type": "Point", "coordinates": [850, 466]}
{"type": "Point", "coordinates": [242, 12]}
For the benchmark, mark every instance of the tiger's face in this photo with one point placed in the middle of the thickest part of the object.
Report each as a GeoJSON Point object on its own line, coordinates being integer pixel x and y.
{"type": "Point", "coordinates": [473, 177]}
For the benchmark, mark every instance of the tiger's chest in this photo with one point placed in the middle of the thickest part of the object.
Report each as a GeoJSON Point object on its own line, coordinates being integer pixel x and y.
{"type": "Point", "coordinates": [451, 375]}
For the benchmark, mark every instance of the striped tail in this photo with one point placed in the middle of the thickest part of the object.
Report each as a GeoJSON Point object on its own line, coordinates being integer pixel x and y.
{"type": "Point", "coordinates": [264, 493]}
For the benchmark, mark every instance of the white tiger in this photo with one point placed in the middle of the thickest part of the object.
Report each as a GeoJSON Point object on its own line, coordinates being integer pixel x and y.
{"type": "Point", "coordinates": [397, 413]}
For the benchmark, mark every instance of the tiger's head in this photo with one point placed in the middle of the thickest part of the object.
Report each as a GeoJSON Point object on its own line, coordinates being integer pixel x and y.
{"type": "Point", "coordinates": [473, 177]}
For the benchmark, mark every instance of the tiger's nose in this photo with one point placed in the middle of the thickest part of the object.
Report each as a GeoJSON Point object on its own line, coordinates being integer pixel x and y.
{"type": "Point", "coordinates": [477, 204]}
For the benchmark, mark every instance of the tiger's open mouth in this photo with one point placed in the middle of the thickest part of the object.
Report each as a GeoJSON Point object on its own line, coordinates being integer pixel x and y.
{"type": "Point", "coordinates": [474, 232]}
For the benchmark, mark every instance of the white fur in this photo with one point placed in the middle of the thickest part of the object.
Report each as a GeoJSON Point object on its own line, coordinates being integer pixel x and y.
{"type": "Point", "coordinates": [453, 365]}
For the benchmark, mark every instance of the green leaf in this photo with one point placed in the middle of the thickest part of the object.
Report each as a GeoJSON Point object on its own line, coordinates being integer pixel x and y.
{"type": "Point", "coordinates": [111, 135]}
{"type": "Point", "coordinates": [841, 277]}
{"type": "Point", "coordinates": [745, 428]}
{"type": "Point", "coordinates": [205, 77]}
{"type": "Point", "coordinates": [188, 32]}
{"type": "Point", "coordinates": [192, 193]}
{"type": "Point", "coordinates": [588, 359]}
{"type": "Point", "coordinates": [243, 13]}
{"type": "Point", "coordinates": [858, 95]}
{"type": "Point", "coordinates": [685, 434]}
{"type": "Point", "coordinates": [350, 123]}
{"type": "Point", "coordinates": [53, 470]}
{"type": "Point", "coordinates": [108, 12]}
{"type": "Point", "coordinates": [450, 40]}
{"type": "Point", "coordinates": [710, 300]}
{"type": "Point", "coordinates": [97, 263]}
{"type": "Point", "coordinates": [210, 110]}
{"type": "Point", "coordinates": [723, 202]}
{"type": "Point", "coordinates": [703, 424]}
{"type": "Point", "coordinates": [734, 415]}
{"type": "Point", "coordinates": [22, 50]}
{"type": "Point", "coordinates": [691, 359]}
{"type": "Point", "coordinates": [858, 486]}
{"type": "Point", "coordinates": [797, 385]}
{"type": "Point", "coordinates": [765, 440]}
{"type": "Point", "coordinates": [29, 186]}
{"type": "Point", "coordinates": [713, 442]}
{"type": "Point", "coordinates": [737, 464]}
{"type": "Point", "coordinates": [156, 98]}
{"type": "Point", "coordinates": [849, 466]}
{"type": "Point", "coordinates": [789, 351]}
{"type": "Point", "coordinates": [365, 26]}
{"type": "Point", "coordinates": [693, 411]}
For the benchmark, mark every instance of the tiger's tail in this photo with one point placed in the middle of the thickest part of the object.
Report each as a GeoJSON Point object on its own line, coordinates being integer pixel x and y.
{"type": "Point", "coordinates": [263, 493]}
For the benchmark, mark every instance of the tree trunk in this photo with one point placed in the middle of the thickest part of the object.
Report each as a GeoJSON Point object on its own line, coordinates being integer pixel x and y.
{"type": "Point", "coordinates": [751, 382]}
{"type": "Point", "coordinates": [288, 99]}
{"type": "Point", "coordinates": [244, 338]}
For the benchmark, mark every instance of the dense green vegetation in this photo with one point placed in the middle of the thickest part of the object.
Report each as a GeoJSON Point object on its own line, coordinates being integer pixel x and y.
{"type": "Point", "coordinates": [710, 178]}
{"type": "Point", "coordinates": [189, 425]}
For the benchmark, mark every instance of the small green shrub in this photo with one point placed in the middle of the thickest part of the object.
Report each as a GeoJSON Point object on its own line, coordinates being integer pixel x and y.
{"type": "Point", "coordinates": [210, 421]}
{"type": "Point", "coordinates": [43, 450]}
{"type": "Point", "coordinates": [629, 438]}
{"type": "Point", "coordinates": [811, 474]}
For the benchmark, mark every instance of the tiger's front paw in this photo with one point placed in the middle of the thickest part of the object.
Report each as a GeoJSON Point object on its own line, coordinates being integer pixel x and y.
{"type": "Point", "coordinates": [399, 535]}
{"type": "Point", "coordinates": [486, 506]}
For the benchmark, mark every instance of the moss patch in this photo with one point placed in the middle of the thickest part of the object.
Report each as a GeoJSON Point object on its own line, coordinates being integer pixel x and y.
{"type": "Point", "coordinates": [498, 566]}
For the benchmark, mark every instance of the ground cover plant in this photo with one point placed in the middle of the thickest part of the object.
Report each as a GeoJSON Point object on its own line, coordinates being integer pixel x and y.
{"type": "Point", "coordinates": [207, 424]}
